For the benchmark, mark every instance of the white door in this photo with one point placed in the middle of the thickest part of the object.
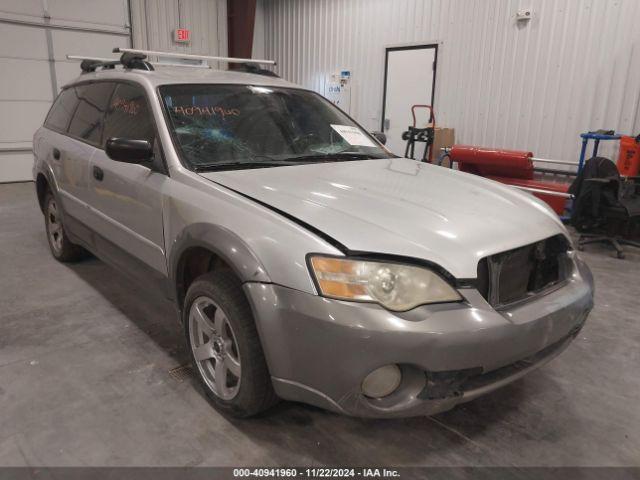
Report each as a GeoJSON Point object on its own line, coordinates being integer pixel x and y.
{"type": "Point", "coordinates": [409, 80]}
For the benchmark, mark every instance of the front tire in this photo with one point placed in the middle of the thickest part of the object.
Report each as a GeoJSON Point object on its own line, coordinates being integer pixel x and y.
{"type": "Point", "coordinates": [224, 345]}
{"type": "Point", "coordinates": [61, 247]}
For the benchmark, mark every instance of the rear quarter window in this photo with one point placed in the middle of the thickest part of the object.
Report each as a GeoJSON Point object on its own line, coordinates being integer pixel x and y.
{"type": "Point", "coordinates": [62, 110]}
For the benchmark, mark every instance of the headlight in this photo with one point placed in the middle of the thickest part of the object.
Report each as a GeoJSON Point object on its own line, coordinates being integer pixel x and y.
{"type": "Point", "coordinates": [394, 286]}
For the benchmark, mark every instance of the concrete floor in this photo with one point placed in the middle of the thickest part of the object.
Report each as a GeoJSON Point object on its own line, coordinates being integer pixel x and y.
{"type": "Point", "coordinates": [84, 380]}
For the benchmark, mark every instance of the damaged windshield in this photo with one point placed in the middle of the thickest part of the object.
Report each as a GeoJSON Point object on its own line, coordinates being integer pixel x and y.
{"type": "Point", "coordinates": [241, 126]}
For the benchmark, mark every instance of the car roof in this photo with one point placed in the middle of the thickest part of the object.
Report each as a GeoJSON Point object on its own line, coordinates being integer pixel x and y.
{"type": "Point", "coordinates": [170, 75]}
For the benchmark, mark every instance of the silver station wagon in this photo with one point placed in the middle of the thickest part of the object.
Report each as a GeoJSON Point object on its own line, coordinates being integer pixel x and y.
{"type": "Point", "coordinates": [306, 261]}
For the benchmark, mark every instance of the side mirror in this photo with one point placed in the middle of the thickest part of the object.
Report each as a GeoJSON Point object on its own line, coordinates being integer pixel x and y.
{"type": "Point", "coordinates": [381, 137]}
{"type": "Point", "coordinates": [129, 150]}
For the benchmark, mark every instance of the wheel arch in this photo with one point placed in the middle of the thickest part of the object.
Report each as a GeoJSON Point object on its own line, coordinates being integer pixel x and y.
{"type": "Point", "coordinates": [42, 186]}
{"type": "Point", "coordinates": [202, 247]}
{"type": "Point", "coordinates": [45, 181]}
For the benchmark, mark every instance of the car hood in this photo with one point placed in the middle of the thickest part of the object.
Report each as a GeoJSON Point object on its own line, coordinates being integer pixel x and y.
{"type": "Point", "coordinates": [402, 207]}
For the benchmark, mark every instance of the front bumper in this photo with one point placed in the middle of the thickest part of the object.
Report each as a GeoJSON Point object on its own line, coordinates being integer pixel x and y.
{"type": "Point", "coordinates": [319, 350]}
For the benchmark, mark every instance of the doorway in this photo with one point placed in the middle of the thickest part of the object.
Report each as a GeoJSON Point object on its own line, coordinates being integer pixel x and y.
{"type": "Point", "coordinates": [409, 79]}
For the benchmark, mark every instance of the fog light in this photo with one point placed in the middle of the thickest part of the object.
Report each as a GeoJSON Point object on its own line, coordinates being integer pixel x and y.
{"type": "Point", "coordinates": [382, 381]}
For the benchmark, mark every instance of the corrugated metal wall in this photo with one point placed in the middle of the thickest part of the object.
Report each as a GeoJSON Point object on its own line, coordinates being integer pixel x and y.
{"type": "Point", "coordinates": [153, 23]}
{"type": "Point", "coordinates": [574, 67]}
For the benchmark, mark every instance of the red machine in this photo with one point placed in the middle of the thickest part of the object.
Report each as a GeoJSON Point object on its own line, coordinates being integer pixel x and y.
{"type": "Point", "coordinates": [515, 168]}
{"type": "Point", "coordinates": [629, 158]}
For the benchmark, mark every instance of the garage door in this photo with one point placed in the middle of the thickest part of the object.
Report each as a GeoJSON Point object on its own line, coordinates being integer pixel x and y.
{"type": "Point", "coordinates": [35, 36]}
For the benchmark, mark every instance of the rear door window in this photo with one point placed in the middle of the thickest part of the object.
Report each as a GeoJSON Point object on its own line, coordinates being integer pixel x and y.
{"type": "Point", "coordinates": [128, 115]}
{"type": "Point", "coordinates": [62, 110]}
{"type": "Point", "coordinates": [88, 120]}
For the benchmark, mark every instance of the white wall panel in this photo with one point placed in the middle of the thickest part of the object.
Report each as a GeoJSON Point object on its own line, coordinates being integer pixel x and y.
{"type": "Point", "coordinates": [13, 84]}
{"type": "Point", "coordinates": [574, 67]}
{"type": "Point", "coordinates": [155, 20]}
{"type": "Point", "coordinates": [15, 166]}
{"type": "Point", "coordinates": [32, 42]}
{"type": "Point", "coordinates": [105, 15]}
{"type": "Point", "coordinates": [113, 13]}
{"type": "Point", "coordinates": [21, 7]}
{"type": "Point", "coordinates": [259, 34]}
{"type": "Point", "coordinates": [29, 31]}
{"type": "Point", "coordinates": [18, 122]}
{"type": "Point", "coordinates": [81, 43]}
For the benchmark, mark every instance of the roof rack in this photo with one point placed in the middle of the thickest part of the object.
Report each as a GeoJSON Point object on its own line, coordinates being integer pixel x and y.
{"type": "Point", "coordinates": [188, 56]}
{"type": "Point", "coordinates": [128, 60]}
{"type": "Point", "coordinates": [137, 59]}
{"type": "Point", "coordinates": [108, 63]}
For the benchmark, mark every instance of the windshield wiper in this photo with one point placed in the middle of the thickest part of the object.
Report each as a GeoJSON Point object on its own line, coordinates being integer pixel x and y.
{"type": "Point", "coordinates": [288, 161]}
{"type": "Point", "coordinates": [211, 167]}
{"type": "Point", "coordinates": [334, 157]}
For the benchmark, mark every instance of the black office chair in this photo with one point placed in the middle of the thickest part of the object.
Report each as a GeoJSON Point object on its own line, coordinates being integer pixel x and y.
{"type": "Point", "coordinates": [604, 205]}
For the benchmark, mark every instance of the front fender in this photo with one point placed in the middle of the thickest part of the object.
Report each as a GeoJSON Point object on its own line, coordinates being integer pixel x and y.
{"type": "Point", "coordinates": [222, 242]}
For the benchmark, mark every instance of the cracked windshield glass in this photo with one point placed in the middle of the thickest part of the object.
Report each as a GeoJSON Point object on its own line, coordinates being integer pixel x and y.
{"type": "Point", "coordinates": [218, 127]}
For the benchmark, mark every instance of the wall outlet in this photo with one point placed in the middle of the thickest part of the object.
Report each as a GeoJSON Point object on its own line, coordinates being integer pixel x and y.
{"type": "Point", "coordinates": [524, 14]}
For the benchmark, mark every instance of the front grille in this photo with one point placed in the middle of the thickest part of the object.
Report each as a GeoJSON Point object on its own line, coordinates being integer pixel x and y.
{"type": "Point", "coordinates": [524, 272]}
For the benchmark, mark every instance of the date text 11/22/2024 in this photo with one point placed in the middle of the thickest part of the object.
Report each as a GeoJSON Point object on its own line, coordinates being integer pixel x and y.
{"type": "Point", "coordinates": [319, 472]}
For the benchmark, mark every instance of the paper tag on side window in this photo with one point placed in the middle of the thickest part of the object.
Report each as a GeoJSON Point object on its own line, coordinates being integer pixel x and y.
{"type": "Point", "coordinates": [353, 135]}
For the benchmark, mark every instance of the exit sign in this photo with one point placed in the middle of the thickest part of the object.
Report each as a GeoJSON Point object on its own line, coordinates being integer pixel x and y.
{"type": "Point", "coordinates": [182, 35]}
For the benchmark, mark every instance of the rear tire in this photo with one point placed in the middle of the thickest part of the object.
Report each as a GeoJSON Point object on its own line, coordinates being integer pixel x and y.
{"type": "Point", "coordinates": [61, 247]}
{"type": "Point", "coordinates": [224, 345]}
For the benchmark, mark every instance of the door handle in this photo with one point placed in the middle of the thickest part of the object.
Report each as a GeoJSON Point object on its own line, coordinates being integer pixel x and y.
{"type": "Point", "coordinates": [56, 154]}
{"type": "Point", "coordinates": [98, 173]}
{"type": "Point", "coordinates": [387, 123]}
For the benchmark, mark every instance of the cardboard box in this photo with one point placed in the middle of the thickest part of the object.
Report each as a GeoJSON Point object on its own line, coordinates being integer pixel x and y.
{"type": "Point", "coordinates": [443, 137]}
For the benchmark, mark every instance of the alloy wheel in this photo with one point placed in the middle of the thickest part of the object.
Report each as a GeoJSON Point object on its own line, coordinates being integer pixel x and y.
{"type": "Point", "coordinates": [54, 227]}
{"type": "Point", "coordinates": [214, 347]}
